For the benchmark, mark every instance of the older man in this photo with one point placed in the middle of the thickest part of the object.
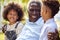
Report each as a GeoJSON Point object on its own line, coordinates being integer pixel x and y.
{"type": "Point", "coordinates": [31, 30]}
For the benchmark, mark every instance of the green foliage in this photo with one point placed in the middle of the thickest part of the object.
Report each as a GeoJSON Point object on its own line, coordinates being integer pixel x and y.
{"type": "Point", "coordinates": [25, 1]}
{"type": "Point", "coordinates": [1, 36]}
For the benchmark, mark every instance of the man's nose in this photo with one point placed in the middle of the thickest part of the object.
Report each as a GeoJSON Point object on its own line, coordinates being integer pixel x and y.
{"type": "Point", "coordinates": [34, 12]}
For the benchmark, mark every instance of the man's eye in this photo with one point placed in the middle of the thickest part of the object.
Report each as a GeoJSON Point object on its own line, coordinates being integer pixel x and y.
{"type": "Point", "coordinates": [31, 10]}
{"type": "Point", "coordinates": [38, 10]}
{"type": "Point", "coordinates": [34, 10]}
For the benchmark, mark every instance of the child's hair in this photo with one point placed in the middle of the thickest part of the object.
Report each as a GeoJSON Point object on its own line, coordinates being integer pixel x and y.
{"type": "Point", "coordinates": [15, 7]}
{"type": "Point", "coordinates": [53, 5]}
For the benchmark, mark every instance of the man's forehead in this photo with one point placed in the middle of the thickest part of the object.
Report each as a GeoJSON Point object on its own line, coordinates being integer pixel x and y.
{"type": "Point", "coordinates": [34, 3]}
{"type": "Point", "coordinates": [31, 4]}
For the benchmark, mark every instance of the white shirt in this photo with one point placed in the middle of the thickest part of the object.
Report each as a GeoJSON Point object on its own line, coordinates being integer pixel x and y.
{"type": "Point", "coordinates": [49, 26]}
{"type": "Point", "coordinates": [12, 27]}
{"type": "Point", "coordinates": [31, 30]}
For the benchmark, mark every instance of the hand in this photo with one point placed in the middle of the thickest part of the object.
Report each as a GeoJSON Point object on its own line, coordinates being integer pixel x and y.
{"type": "Point", "coordinates": [53, 36]}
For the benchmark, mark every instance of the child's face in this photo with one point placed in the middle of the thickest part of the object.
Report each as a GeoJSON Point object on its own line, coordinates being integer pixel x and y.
{"type": "Point", "coordinates": [12, 16]}
{"type": "Point", "coordinates": [45, 11]}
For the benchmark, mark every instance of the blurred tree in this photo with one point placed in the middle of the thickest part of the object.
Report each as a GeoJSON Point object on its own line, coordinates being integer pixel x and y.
{"type": "Point", "coordinates": [24, 1]}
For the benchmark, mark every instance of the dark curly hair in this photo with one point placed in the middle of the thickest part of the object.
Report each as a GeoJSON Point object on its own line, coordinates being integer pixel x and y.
{"type": "Point", "coordinates": [53, 5]}
{"type": "Point", "coordinates": [15, 7]}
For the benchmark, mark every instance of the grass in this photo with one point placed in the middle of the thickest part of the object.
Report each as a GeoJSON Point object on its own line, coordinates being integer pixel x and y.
{"type": "Point", "coordinates": [1, 36]}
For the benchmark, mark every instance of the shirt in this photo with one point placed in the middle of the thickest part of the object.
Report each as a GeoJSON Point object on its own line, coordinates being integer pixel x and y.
{"type": "Point", "coordinates": [49, 26]}
{"type": "Point", "coordinates": [12, 27]}
{"type": "Point", "coordinates": [31, 30]}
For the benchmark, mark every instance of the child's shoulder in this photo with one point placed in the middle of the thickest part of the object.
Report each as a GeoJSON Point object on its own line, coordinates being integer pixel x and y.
{"type": "Point", "coordinates": [4, 25]}
{"type": "Point", "coordinates": [20, 24]}
{"type": "Point", "coordinates": [51, 27]}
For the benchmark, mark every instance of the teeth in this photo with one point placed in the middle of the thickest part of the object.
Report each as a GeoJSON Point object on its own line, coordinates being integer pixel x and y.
{"type": "Point", "coordinates": [34, 16]}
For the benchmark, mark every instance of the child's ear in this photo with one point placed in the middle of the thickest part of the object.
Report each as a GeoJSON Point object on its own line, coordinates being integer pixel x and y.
{"type": "Point", "coordinates": [46, 11]}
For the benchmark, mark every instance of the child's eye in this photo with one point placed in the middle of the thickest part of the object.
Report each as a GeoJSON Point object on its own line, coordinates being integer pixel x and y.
{"type": "Point", "coordinates": [9, 14]}
{"type": "Point", "coordinates": [14, 15]}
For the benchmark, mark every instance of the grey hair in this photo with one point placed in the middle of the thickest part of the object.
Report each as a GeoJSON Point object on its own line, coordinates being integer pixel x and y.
{"type": "Point", "coordinates": [32, 1]}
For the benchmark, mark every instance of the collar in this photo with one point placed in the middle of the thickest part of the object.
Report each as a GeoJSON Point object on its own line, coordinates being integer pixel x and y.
{"type": "Point", "coordinates": [14, 23]}
{"type": "Point", "coordinates": [38, 22]}
{"type": "Point", "coordinates": [49, 20]}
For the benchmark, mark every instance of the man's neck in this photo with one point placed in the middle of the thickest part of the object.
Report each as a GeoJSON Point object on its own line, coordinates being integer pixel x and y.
{"type": "Point", "coordinates": [33, 20]}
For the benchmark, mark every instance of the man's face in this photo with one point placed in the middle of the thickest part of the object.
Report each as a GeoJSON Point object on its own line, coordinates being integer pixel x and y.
{"type": "Point", "coordinates": [34, 12]}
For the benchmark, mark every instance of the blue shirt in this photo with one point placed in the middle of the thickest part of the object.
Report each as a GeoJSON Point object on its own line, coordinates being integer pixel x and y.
{"type": "Point", "coordinates": [49, 26]}
{"type": "Point", "coordinates": [31, 30]}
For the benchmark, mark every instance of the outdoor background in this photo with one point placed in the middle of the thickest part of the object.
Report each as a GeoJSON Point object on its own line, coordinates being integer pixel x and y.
{"type": "Point", "coordinates": [23, 3]}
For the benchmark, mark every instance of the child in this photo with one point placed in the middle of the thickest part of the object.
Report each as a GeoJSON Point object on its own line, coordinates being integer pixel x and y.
{"type": "Point", "coordinates": [13, 14]}
{"type": "Point", "coordinates": [48, 10]}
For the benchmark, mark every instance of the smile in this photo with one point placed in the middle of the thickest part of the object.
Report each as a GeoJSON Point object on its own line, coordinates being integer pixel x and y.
{"type": "Point", "coordinates": [33, 16]}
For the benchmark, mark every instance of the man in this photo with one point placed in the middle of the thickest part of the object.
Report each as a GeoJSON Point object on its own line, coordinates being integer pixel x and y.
{"type": "Point", "coordinates": [31, 30]}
